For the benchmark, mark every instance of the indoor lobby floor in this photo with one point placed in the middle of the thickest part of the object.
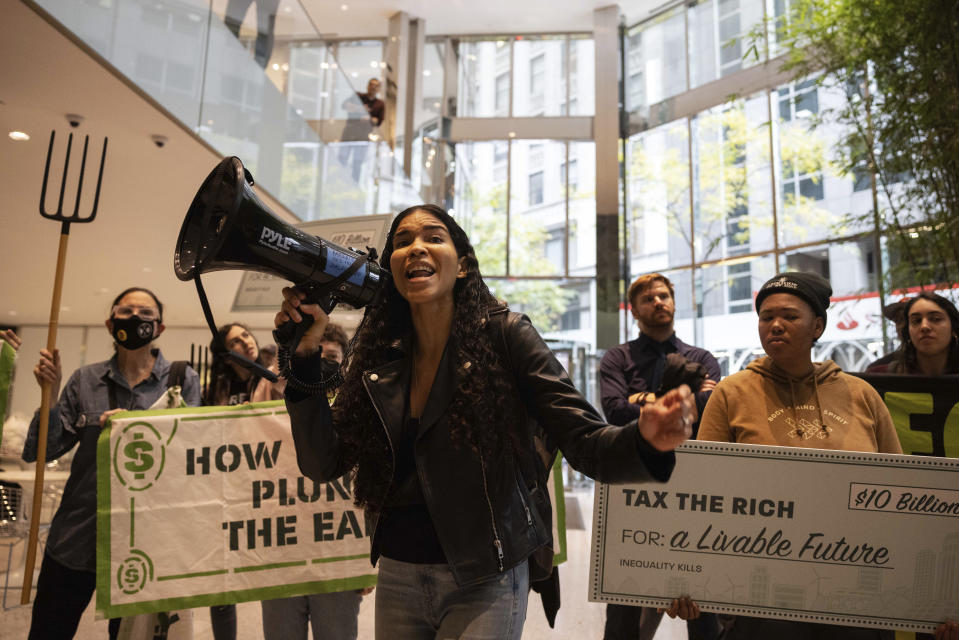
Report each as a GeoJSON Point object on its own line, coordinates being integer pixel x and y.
{"type": "Point", "coordinates": [577, 618]}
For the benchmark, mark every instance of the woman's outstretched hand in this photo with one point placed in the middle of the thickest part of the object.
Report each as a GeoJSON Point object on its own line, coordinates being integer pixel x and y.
{"type": "Point", "coordinates": [668, 422]}
{"type": "Point", "coordinates": [293, 309]}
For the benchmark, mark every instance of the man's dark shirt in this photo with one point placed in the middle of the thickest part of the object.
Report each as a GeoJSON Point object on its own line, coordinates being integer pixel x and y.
{"type": "Point", "coordinates": [627, 368]}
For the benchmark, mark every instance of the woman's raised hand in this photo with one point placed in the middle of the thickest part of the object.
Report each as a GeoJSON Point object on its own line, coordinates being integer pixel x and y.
{"type": "Point", "coordinates": [294, 309]}
{"type": "Point", "coordinates": [668, 422]}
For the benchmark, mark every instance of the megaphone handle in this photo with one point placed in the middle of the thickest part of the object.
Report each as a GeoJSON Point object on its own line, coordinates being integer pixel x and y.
{"type": "Point", "coordinates": [290, 333]}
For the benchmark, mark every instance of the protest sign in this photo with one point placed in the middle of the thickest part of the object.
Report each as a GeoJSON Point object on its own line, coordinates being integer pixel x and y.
{"type": "Point", "coordinates": [206, 506]}
{"type": "Point", "coordinates": [924, 409]}
{"type": "Point", "coordinates": [859, 539]}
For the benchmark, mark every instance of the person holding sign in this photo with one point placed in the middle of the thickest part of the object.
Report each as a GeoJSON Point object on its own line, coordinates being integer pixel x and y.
{"type": "Point", "coordinates": [433, 419]}
{"type": "Point", "coordinates": [786, 399]}
{"type": "Point", "coordinates": [134, 378]}
{"type": "Point", "coordinates": [930, 338]}
{"type": "Point", "coordinates": [631, 375]}
{"type": "Point", "coordinates": [332, 616]}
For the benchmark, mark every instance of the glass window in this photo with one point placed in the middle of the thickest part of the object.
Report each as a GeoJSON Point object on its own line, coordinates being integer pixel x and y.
{"type": "Point", "coordinates": [537, 205]}
{"type": "Point", "coordinates": [357, 62]}
{"type": "Point", "coordinates": [581, 77]}
{"type": "Point", "coordinates": [719, 40]}
{"type": "Point", "coordinates": [854, 319]}
{"type": "Point", "coordinates": [732, 180]}
{"type": "Point", "coordinates": [658, 207]}
{"type": "Point", "coordinates": [656, 58]}
{"type": "Point", "coordinates": [306, 88]}
{"type": "Point", "coordinates": [536, 188]}
{"type": "Point", "coordinates": [479, 203]}
{"type": "Point", "coordinates": [539, 79]}
{"type": "Point", "coordinates": [480, 63]}
{"type": "Point", "coordinates": [581, 184]}
{"type": "Point", "coordinates": [726, 323]}
{"type": "Point", "coordinates": [560, 309]}
{"type": "Point", "coordinates": [798, 100]}
{"type": "Point", "coordinates": [816, 200]}
{"type": "Point", "coordinates": [502, 94]}
{"type": "Point", "coordinates": [431, 105]}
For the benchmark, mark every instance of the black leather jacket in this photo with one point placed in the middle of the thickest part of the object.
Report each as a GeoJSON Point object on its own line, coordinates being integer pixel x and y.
{"type": "Point", "coordinates": [482, 510]}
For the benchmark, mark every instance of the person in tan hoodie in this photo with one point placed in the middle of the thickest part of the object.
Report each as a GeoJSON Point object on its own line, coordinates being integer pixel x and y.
{"type": "Point", "coordinates": [786, 399]}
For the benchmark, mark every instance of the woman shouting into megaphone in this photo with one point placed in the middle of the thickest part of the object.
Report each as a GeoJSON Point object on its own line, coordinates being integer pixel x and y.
{"type": "Point", "coordinates": [449, 416]}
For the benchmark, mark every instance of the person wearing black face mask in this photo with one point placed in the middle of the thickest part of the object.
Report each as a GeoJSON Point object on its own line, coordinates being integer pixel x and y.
{"type": "Point", "coordinates": [134, 378]}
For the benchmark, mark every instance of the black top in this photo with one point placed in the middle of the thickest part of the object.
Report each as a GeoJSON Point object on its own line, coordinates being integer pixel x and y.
{"type": "Point", "coordinates": [406, 530]}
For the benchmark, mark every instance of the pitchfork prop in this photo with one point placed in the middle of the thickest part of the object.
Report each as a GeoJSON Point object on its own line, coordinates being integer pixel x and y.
{"type": "Point", "coordinates": [66, 220]}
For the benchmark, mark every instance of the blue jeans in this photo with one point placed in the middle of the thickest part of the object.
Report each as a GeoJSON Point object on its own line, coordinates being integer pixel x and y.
{"type": "Point", "coordinates": [422, 601]}
{"type": "Point", "coordinates": [332, 616]}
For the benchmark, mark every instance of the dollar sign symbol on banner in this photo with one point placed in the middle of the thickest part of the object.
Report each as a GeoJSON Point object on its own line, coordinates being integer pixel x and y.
{"type": "Point", "coordinates": [139, 453]}
{"type": "Point", "coordinates": [133, 575]}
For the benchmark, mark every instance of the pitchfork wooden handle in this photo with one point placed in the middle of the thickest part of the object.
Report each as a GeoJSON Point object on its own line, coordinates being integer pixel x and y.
{"type": "Point", "coordinates": [44, 427]}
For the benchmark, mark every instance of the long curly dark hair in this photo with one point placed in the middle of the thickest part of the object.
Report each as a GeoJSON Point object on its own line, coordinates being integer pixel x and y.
{"type": "Point", "coordinates": [479, 418]}
{"type": "Point", "coordinates": [222, 374]}
{"type": "Point", "coordinates": [908, 361]}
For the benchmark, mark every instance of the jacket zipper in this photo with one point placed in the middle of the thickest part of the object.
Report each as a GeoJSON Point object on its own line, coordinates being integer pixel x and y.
{"type": "Point", "coordinates": [522, 498]}
{"type": "Point", "coordinates": [389, 441]}
{"type": "Point", "coordinates": [492, 518]}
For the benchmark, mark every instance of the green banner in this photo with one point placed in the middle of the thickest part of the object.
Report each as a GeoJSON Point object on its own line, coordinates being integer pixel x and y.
{"type": "Point", "coordinates": [7, 357]}
{"type": "Point", "coordinates": [925, 411]}
{"type": "Point", "coordinates": [206, 506]}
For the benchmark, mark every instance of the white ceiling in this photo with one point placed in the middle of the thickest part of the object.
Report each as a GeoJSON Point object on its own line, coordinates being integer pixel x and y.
{"type": "Point", "coordinates": [371, 17]}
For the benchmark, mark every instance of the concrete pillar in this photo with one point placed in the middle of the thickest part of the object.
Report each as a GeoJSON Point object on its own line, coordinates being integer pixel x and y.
{"type": "Point", "coordinates": [606, 135]}
{"type": "Point", "coordinates": [396, 56]}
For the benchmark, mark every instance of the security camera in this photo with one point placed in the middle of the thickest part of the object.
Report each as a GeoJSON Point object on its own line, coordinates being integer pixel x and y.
{"type": "Point", "coordinates": [74, 119]}
{"type": "Point", "coordinates": [158, 140]}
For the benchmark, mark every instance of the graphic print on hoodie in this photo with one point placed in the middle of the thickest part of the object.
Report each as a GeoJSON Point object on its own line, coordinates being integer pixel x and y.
{"type": "Point", "coordinates": [828, 409]}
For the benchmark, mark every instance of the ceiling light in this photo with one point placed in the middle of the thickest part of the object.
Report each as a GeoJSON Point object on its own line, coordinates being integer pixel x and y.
{"type": "Point", "coordinates": [288, 9]}
{"type": "Point", "coordinates": [512, 134]}
{"type": "Point", "coordinates": [374, 63]}
{"type": "Point", "coordinates": [19, 136]}
{"type": "Point", "coordinates": [354, 74]}
{"type": "Point", "coordinates": [382, 65]}
{"type": "Point", "coordinates": [276, 66]}
{"type": "Point", "coordinates": [286, 67]}
{"type": "Point", "coordinates": [426, 72]}
{"type": "Point", "coordinates": [344, 7]}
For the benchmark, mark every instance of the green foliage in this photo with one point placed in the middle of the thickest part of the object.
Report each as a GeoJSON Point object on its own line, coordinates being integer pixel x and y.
{"type": "Point", "coordinates": [903, 123]}
{"type": "Point", "coordinates": [544, 301]}
{"type": "Point", "coordinates": [731, 153]}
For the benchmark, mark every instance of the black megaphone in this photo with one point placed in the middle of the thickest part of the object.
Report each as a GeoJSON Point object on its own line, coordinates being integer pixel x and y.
{"type": "Point", "coordinates": [228, 227]}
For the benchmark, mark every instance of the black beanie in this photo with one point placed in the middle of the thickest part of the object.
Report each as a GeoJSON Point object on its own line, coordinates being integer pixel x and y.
{"type": "Point", "coordinates": [811, 287]}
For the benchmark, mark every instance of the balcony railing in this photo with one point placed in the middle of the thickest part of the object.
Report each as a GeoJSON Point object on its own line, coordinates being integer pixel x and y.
{"type": "Point", "coordinates": [228, 80]}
